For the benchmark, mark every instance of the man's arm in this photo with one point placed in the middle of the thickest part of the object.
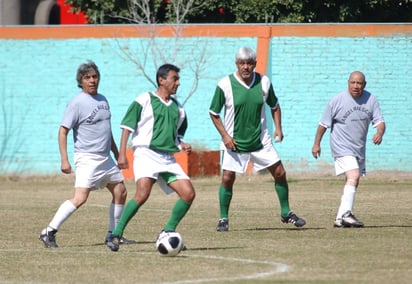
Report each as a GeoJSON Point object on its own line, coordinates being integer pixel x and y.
{"type": "Point", "coordinates": [65, 166]}
{"type": "Point", "coordinates": [380, 130]}
{"type": "Point", "coordinates": [122, 160]}
{"type": "Point", "coordinates": [318, 138]}
{"type": "Point", "coordinates": [277, 119]}
{"type": "Point", "coordinates": [114, 149]}
{"type": "Point", "coordinates": [226, 138]}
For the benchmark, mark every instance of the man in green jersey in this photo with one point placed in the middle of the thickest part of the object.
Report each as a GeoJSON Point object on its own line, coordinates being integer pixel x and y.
{"type": "Point", "coordinates": [157, 123]}
{"type": "Point", "coordinates": [244, 133]}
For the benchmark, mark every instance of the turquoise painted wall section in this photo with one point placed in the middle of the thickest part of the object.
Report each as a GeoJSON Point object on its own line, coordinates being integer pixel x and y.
{"type": "Point", "coordinates": [37, 78]}
{"type": "Point", "coordinates": [308, 71]}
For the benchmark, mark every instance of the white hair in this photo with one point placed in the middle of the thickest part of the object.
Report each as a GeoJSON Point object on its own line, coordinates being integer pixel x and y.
{"type": "Point", "coordinates": [245, 53]}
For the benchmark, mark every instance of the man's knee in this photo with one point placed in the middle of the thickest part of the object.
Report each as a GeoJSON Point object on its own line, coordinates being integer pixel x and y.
{"type": "Point", "coordinates": [279, 172]}
{"type": "Point", "coordinates": [228, 179]}
{"type": "Point", "coordinates": [352, 181]}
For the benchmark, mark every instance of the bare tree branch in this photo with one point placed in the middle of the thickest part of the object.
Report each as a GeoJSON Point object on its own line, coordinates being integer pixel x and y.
{"type": "Point", "coordinates": [153, 51]}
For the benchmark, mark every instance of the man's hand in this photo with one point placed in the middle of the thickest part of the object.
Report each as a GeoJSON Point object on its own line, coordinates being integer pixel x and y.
{"type": "Point", "coordinates": [316, 151]}
{"type": "Point", "coordinates": [122, 162]}
{"type": "Point", "coordinates": [186, 147]}
{"type": "Point", "coordinates": [65, 167]}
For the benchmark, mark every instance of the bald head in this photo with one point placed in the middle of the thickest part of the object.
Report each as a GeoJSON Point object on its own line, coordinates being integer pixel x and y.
{"type": "Point", "coordinates": [357, 74]}
{"type": "Point", "coordinates": [356, 84]}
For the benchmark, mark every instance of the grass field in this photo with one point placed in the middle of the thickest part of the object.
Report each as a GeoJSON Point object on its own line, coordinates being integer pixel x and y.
{"type": "Point", "coordinates": [257, 249]}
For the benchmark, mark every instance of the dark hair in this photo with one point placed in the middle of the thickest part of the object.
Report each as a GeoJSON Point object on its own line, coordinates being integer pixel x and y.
{"type": "Point", "coordinates": [84, 69]}
{"type": "Point", "coordinates": [164, 70]}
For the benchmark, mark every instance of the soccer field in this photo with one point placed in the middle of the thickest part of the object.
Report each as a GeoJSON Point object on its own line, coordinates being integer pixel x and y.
{"type": "Point", "coordinates": [257, 249]}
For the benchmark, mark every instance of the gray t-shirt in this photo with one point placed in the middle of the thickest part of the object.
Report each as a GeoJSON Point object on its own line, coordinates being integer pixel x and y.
{"type": "Point", "coordinates": [349, 120]}
{"type": "Point", "coordinates": [89, 117]}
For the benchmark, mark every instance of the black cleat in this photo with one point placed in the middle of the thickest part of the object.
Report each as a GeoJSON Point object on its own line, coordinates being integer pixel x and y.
{"type": "Point", "coordinates": [294, 219]}
{"type": "Point", "coordinates": [48, 238]}
{"type": "Point", "coordinates": [113, 242]}
{"type": "Point", "coordinates": [123, 240]}
{"type": "Point", "coordinates": [223, 225]}
{"type": "Point", "coordinates": [349, 220]}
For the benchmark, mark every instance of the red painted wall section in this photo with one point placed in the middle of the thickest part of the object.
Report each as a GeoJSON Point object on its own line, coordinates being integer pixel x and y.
{"type": "Point", "coordinates": [198, 163]}
{"type": "Point", "coordinates": [69, 18]}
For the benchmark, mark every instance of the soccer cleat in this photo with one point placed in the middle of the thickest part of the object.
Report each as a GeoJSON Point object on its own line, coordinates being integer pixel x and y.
{"type": "Point", "coordinates": [223, 225]}
{"type": "Point", "coordinates": [48, 238]}
{"type": "Point", "coordinates": [123, 240]}
{"type": "Point", "coordinates": [338, 223]}
{"type": "Point", "coordinates": [349, 220]}
{"type": "Point", "coordinates": [113, 242]}
{"type": "Point", "coordinates": [292, 218]}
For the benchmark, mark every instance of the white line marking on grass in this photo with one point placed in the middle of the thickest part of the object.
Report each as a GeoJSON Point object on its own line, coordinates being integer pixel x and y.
{"type": "Point", "coordinates": [276, 268]}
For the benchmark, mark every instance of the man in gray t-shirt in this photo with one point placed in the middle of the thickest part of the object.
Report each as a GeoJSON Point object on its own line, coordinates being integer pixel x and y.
{"type": "Point", "coordinates": [89, 117]}
{"type": "Point", "coordinates": [348, 115]}
{"type": "Point", "coordinates": [88, 114]}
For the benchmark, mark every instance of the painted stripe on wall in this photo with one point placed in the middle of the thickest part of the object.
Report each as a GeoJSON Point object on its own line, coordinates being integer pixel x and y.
{"type": "Point", "coordinates": [119, 31]}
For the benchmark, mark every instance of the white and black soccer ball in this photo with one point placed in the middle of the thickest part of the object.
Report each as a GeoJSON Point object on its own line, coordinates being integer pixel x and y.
{"type": "Point", "coordinates": [169, 243]}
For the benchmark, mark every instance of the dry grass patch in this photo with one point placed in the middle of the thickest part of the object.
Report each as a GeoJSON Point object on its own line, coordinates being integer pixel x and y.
{"type": "Point", "coordinates": [257, 249]}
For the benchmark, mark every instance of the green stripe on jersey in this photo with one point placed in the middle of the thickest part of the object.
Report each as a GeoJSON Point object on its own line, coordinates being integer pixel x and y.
{"type": "Point", "coordinates": [248, 103]}
{"type": "Point", "coordinates": [166, 118]}
{"type": "Point", "coordinates": [244, 109]}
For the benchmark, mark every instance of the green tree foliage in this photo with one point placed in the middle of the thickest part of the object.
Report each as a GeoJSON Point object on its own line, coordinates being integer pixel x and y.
{"type": "Point", "coordinates": [126, 11]}
{"type": "Point", "coordinates": [251, 11]}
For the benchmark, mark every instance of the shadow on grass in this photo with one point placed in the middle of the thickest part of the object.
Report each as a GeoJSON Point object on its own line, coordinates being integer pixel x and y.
{"type": "Point", "coordinates": [281, 229]}
{"type": "Point", "coordinates": [212, 248]}
{"type": "Point", "coordinates": [149, 242]}
{"type": "Point", "coordinates": [387, 226]}
{"type": "Point", "coordinates": [122, 245]}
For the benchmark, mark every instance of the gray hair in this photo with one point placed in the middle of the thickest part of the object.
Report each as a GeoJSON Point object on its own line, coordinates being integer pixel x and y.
{"type": "Point", "coordinates": [84, 69]}
{"type": "Point", "coordinates": [246, 53]}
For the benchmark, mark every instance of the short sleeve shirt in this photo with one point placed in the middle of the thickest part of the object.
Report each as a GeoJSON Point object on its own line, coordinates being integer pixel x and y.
{"type": "Point", "coordinates": [89, 117]}
{"type": "Point", "coordinates": [155, 124]}
{"type": "Point", "coordinates": [349, 119]}
{"type": "Point", "coordinates": [244, 107]}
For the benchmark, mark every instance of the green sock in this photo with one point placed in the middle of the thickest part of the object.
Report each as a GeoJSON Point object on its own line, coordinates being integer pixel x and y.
{"type": "Point", "coordinates": [179, 211]}
{"type": "Point", "coordinates": [128, 212]}
{"type": "Point", "coordinates": [225, 197]}
{"type": "Point", "coordinates": [282, 189]}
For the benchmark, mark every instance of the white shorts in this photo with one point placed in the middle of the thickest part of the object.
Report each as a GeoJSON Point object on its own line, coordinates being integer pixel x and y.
{"type": "Point", "coordinates": [161, 166]}
{"type": "Point", "coordinates": [95, 171]}
{"type": "Point", "coordinates": [347, 163]}
{"type": "Point", "coordinates": [261, 159]}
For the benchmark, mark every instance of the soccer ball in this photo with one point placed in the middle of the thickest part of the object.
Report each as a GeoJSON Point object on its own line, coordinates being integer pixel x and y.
{"type": "Point", "coordinates": [169, 243]}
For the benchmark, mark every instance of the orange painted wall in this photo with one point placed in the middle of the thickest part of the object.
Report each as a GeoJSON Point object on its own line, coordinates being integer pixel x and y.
{"type": "Point", "coordinates": [263, 32]}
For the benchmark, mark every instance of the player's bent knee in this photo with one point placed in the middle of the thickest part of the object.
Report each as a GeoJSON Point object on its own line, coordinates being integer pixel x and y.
{"type": "Point", "coordinates": [187, 195]}
{"type": "Point", "coordinates": [352, 181]}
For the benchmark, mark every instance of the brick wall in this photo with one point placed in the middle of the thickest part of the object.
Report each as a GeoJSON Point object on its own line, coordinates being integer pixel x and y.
{"type": "Point", "coordinates": [307, 63]}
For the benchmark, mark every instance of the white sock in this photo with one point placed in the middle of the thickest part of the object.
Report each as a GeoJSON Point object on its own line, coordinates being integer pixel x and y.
{"type": "Point", "coordinates": [65, 210]}
{"type": "Point", "coordinates": [347, 200]}
{"type": "Point", "coordinates": [115, 212]}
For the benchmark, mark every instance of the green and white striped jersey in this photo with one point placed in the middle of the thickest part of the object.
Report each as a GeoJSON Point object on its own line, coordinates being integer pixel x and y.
{"type": "Point", "coordinates": [154, 123]}
{"type": "Point", "coordinates": [245, 118]}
